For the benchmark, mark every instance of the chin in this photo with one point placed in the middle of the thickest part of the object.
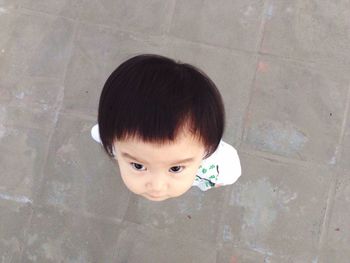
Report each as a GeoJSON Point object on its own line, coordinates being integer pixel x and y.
{"type": "Point", "coordinates": [157, 199]}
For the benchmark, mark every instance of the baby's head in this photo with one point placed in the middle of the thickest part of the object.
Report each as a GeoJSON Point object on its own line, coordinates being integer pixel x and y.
{"type": "Point", "coordinates": [159, 119]}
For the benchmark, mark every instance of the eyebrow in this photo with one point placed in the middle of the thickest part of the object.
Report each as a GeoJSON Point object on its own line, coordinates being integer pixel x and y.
{"type": "Point", "coordinates": [177, 162]}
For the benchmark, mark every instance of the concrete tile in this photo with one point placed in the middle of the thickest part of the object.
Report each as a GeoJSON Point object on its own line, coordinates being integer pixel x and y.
{"type": "Point", "coordinates": [274, 213]}
{"type": "Point", "coordinates": [24, 136]}
{"type": "Point", "coordinates": [41, 117]}
{"type": "Point", "coordinates": [34, 51]}
{"type": "Point", "coordinates": [337, 240]}
{"type": "Point", "coordinates": [21, 161]}
{"type": "Point", "coordinates": [97, 52]}
{"type": "Point", "coordinates": [148, 245]}
{"type": "Point", "coordinates": [37, 93]}
{"type": "Point", "coordinates": [77, 176]}
{"type": "Point", "coordinates": [27, 117]}
{"type": "Point", "coordinates": [151, 17]}
{"type": "Point", "coordinates": [297, 110]}
{"type": "Point", "coordinates": [194, 214]}
{"type": "Point", "coordinates": [276, 209]}
{"type": "Point", "coordinates": [34, 44]}
{"type": "Point", "coordinates": [231, 71]}
{"type": "Point", "coordinates": [308, 30]}
{"type": "Point", "coordinates": [14, 221]}
{"type": "Point", "coordinates": [59, 236]}
{"type": "Point", "coordinates": [230, 24]}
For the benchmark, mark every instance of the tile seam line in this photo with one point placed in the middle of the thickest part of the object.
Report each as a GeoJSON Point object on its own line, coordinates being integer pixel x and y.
{"type": "Point", "coordinates": [80, 21]}
{"type": "Point", "coordinates": [125, 30]}
{"type": "Point", "coordinates": [249, 52]}
{"type": "Point", "coordinates": [261, 33]}
{"type": "Point", "coordinates": [344, 125]}
{"type": "Point", "coordinates": [58, 106]}
{"type": "Point", "coordinates": [172, 12]}
{"type": "Point", "coordinates": [79, 114]}
{"type": "Point", "coordinates": [209, 45]}
{"type": "Point", "coordinates": [253, 88]}
{"type": "Point", "coordinates": [302, 61]}
{"type": "Point", "coordinates": [23, 244]}
{"type": "Point", "coordinates": [164, 35]}
{"type": "Point", "coordinates": [332, 191]}
{"type": "Point", "coordinates": [284, 160]}
{"type": "Point", "coordinates": [25, 10]}
{"type": "Point", "coordinates": [327, 216]}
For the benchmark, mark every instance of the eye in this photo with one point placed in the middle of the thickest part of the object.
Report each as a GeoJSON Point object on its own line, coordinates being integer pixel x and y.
{"type": "Point", "coordinates": [138, 167]}
{"type": "Point", "coordinates": [177, 167]}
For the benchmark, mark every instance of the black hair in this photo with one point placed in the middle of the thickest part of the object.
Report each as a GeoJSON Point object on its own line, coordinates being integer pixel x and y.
{"type": "Point", "coordinates": [152, 98]}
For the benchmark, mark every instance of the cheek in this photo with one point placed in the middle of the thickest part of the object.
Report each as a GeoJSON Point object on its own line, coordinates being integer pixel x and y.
{"type": "Point", "coordinates": [186, 179]}
{"type": "Point", "coordinates": [129, 179]}
{"type": "Point", "coordinates": [192, 174]}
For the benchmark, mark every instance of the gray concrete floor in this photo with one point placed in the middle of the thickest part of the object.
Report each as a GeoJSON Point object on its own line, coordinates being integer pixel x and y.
{"type": "Point", "coordinates": [283, 70]}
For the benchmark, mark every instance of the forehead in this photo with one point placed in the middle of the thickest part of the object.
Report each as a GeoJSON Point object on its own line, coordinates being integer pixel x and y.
{"type": "Point", "coordinates": [183, 147]}
{"type": "Point", "coordinates": [182, 143]}
{"type": "Point", "coordinates": [184, 137]}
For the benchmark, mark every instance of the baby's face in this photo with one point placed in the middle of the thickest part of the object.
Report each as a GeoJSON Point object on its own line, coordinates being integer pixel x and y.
{"type": "Point", "coordinates": [159, 172]}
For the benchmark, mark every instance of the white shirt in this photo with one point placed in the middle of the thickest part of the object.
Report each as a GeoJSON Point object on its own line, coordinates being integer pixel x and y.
{"type": "Point", "coordinates": [223, 167]}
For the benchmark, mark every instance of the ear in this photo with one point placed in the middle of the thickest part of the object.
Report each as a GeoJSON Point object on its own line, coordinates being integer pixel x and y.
{"type": "Point", "coordinates": [204, 154]}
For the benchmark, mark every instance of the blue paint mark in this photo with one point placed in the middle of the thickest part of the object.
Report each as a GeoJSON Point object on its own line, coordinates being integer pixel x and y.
{"type": "Point", "coordinates": [269, 11]}
{"type": "Point", "coordinates": [227, 234]}
{"type": "Point", "coordinates": [280, 138]}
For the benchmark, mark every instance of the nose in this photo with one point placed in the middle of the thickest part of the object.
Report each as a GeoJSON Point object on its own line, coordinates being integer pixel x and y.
{"type": "Point", "coordinates": [157, 183]}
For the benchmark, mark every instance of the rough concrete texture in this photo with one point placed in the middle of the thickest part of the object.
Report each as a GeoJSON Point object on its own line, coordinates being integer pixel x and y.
{"type": "Point", "coordinates": [283, 70]}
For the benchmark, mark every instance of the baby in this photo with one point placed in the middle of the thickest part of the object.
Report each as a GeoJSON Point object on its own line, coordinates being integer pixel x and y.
{"type": "Point", "coordinates": [163, 122]}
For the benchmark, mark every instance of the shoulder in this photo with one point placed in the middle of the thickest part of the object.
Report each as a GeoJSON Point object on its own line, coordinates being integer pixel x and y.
{"type": "Point", "coordinates": [221, 168]}
{"type": "Point", "coordinates": [224, 151]}
{"type": "Point", "coordinates": [228, 162]}
{"type": "Point", "coordinates": [226, 148]}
